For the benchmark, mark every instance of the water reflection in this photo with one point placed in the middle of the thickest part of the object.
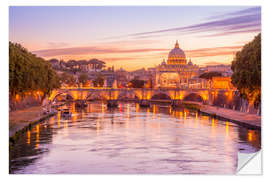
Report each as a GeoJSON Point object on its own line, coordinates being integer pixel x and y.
{"type": "Point", "coordinates": [131, 139]}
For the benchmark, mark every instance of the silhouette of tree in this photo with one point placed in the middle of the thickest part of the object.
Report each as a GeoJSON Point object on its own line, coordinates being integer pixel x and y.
{"type": "Point", "coordinates": [246, 69]}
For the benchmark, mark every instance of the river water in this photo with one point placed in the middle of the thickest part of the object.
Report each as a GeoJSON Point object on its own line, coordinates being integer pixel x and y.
{"type": "Point", "coordinates": [132, 140]}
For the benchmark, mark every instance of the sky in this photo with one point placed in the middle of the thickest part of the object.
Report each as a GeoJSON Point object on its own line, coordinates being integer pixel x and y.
{"type": "Point", "coordinates": [133, 37]}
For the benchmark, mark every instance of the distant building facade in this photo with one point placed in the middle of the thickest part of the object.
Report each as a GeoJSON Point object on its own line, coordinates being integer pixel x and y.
{"type": "Point", "coordinates": [222, 83]}
{"type": "Point", "coordinates": [176, 72]}
{"type": "Point", "coordinates": [225, 70]}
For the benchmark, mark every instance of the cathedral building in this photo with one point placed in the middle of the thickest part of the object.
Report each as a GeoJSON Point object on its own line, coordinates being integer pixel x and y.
{"type": "Point", "coordinates": [176, 72]}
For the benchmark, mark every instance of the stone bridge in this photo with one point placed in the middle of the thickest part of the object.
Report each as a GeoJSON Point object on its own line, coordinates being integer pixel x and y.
{"type": "Point", "coordinates": [207, 95]}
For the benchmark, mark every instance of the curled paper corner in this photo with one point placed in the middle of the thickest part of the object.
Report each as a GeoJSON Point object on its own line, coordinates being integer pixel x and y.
{"type": "Point", "coordinates": [249, 163]}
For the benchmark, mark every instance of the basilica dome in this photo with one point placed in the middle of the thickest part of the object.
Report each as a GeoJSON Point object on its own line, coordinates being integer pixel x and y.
{"type": "Point", "coordinates": [177, 56]}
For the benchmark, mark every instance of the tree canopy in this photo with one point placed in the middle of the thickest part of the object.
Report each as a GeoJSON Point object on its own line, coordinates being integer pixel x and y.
{"type": "Point", "coordinates": [246, 69]}
{"type": "Point", "coordinates": [67, 79]}
{"type": "Point", "coordinates": [99, 81]}
{"type": "Point", "coordinates": [28, 73]}
{"type": "Point", "coordinates": [83, 78]}
{"type": "Point", "coordinates": [136, 83]}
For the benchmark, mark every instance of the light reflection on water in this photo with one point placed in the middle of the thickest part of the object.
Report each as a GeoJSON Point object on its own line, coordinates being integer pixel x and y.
{"type": "Point", "coordinates": [131, 139]}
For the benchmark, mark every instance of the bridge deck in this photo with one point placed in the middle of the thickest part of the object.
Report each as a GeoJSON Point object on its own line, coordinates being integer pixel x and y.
{"type": "Point", "coordinates": [245, 119]}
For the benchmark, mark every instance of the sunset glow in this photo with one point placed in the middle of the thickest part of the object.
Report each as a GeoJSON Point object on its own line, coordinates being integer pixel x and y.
{"type": "Point", "coordinates": [135, 37]}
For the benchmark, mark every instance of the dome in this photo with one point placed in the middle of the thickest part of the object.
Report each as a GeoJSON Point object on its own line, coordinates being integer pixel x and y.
{"type": "Point", "coordinates": [163, 62]}
{"type": "Point", "coordinates": [189, 62]}
{"type": "Point", "coordinates": [177, 55]}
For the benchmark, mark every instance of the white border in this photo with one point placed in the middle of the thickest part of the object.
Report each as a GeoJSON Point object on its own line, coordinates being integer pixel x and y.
{"type": "Point", "coordinates": [4, 72]}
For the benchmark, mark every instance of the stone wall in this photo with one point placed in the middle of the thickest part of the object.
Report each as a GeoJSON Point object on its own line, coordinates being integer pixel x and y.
{"type": "Point", "coordinates": [236, 103]}
{"type": "Point", "coordinates": [21, 102]}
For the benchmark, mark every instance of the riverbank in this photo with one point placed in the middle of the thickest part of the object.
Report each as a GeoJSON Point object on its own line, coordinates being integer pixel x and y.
{"type": "Point", "coordinates": [20, 119]}
{"type": "Point", "coordinates": [252, 121]}
{"type": "Point", "coordinates": [248, 120]}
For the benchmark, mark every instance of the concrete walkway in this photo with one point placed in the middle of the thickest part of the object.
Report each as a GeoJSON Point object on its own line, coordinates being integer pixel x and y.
{"type": "Point", "coordinates": [21, 118]}
{"type": "Point", "coordinates": [245, 119]}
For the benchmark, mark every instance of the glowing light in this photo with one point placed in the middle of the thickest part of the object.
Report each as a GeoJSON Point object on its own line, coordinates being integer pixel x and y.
{"type": "Point", "coordinates": [137, 107]}
{"type": "Point", "coordinates": [250, 135]}
{"type": "Point", "coordinates": [227, 128]}
{"type": "Point", "coordinates": [37, 136]}
{"type": "Point", "coordinates": [28, 137]}
{"type": "Point", "coordinates": [17, 97]}
{"type": "Point", "coordinates": [58, 118]}
{"type": "Point", "coordinates": [213, 127]}
{"type": "Point", "coordinates": [149, 95]}
{"type": "Point", "coordinates": [115, 96]}
{"type": "Point", "coordinates": [155, 109]}
{"type": "Point", "coordinates": [74, 119]}
{"type": "Point", "coordinates": [52, 120]}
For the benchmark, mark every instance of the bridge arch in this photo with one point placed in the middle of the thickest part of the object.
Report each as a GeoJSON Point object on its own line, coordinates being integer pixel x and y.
{"type": "Point", "coordinates": [126, 95]}
{"type": "Point", "coordinates": [161, 95]}
{"type": "Point", "coordinates": [97, 95]}
{"type": "Point", "coordinates": [198, 96]}
{"type": "Point", "coordinates": [193, 96]}
{"type": "Point", "coordinates": [54, 97]}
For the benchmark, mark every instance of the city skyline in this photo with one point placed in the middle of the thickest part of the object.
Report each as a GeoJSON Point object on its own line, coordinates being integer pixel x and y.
{"type": "Point", "coordinates": [135, 37]}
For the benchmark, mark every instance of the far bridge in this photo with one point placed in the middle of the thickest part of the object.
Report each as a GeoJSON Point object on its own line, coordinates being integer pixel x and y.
{"type": "Point", "coordinates": [206, 95]}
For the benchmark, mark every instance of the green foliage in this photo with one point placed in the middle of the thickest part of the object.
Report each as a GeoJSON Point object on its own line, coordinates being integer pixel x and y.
{"type": "Point", "coordinates": [136, 83]}
{"type": "Point", "coordinates": [67, 79]}
{"type": "Point", "coordinates": [28, 73]}
{"type": "Point", "coordinates": [210, 75]}
{"type": "Point", "coordinates": [99, 81]}
{"type": "Point", "coordinates": [97, 64]}
{"type": "Point", "coordinates": [246, 69]}
{"type": "Point", "coordinates": [83, 78]}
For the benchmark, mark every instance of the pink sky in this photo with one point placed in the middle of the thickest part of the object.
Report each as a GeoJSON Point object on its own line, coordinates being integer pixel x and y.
{"type": "Point", "coordinates": [135, 37]}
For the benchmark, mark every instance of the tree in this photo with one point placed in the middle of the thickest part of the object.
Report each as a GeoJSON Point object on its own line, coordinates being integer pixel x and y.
{"type": "Point", "coordinates": [29, 73]}
{"type": "Point", "coordinates": [83, 78]}
{"type": "Point", "coordinates": [210, 75]}
{"type": "Point", "coordinates": [99, 81]}
{"type": "Point", "coordinates": [246, 69]}
{"type": "Point", "coordinates": [136, 83]}
{"type": "Point", "coordinates": [96, 64]}
{"type": "Point", "coordinates": [68, 79]}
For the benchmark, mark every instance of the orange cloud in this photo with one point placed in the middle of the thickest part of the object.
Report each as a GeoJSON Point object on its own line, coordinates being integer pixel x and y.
{"type": "Point", "coordinates": [216, 51]}
{"type": "Point", "coordinates": [90, 50]}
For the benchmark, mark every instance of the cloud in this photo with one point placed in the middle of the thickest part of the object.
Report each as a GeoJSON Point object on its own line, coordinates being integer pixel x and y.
{"type": "Point", "coordinates": [253, 10]}
{"type": "Point", "coordinates": [215, 51]}
{"type": "Point", "coordinates": [57, 44]}
{"type": "Point", "coordinates": [257, 30]}
{"type": "Point", "coordinates": [215, 63]}
{"type": "Point", "coordinates": [97, 51]}
{"type": "Point", "coordinates": [247, 20]}
{"type": "Point", "coordinates": [248, 11]}
{"type": "Point", "coordinates": [90, 50]}
{"type": "Point", "coordinates": [121, 59]}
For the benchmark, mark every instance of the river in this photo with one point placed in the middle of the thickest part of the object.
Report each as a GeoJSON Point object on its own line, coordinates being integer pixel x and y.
{"type": "Point", "coordinates": [132, 140]}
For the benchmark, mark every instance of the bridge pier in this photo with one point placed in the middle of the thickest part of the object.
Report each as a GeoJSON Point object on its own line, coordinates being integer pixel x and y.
{"type": "Point", "coordinates": [176, 103]}
{"type": "Point", "coordinates": [112, 103]}
{"type": "Point", "coordinates": [210, 98]}
{"type": "Point", "coordinates": [80, 104]}
{"type": "Point", "coordinates": [144, 103]}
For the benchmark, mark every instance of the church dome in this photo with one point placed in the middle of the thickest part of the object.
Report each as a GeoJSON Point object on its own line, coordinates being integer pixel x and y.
{"type": "Point", "coordinates": [177, 55]}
